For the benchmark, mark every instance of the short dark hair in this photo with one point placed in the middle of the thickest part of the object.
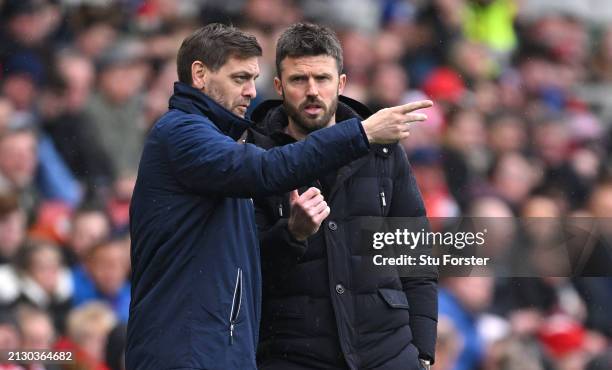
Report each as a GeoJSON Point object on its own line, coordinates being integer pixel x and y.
{"type": "Point", "coordinates": [9, 203]}
{"type": "Point", "coordinates": [25, 255]}
{"type": "Point", "coordinates": [213, 45]}
{"type": "Point", "coordinates": [307, 39]}
{"type": "Point", "coordinates": [110, 242]}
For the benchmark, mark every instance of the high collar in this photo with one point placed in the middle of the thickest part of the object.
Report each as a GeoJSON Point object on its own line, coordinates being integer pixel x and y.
{"type": "Point", "coordinates": [271, 117]}
{"type": "Point", "coordinates": [193, 101]}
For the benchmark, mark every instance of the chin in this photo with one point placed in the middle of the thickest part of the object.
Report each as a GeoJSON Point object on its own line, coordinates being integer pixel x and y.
{"type": "Point", "coordinates": [239, 112]}
{"type": "Point", "coordinates": [314, 125]}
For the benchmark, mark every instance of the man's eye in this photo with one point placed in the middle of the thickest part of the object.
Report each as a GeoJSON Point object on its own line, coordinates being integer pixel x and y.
{"type": "Point", "coordinates": [240, 79]}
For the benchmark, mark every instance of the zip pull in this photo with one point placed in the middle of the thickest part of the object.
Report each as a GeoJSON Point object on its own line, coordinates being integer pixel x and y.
{"type": "Point", "coordinates": [382, 199]}
{"type": "Point", "coordinates": [236, 302]}
{"type": "Point", "coordinates": [280, 210]}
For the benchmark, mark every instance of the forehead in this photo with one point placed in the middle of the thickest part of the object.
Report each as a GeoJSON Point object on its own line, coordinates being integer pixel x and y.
{"type": "Point", "coordinates": [46, 253]}
{"type": "Point", "coordinates": [235, 64]}
{"type": "Point", "coordinates": [309, 64]}
{"type": "Point", "coordinates": [17, 138]}
{"type": "Point", "coordinates": [89, 216]}
{"type": "Point", "coordinates": [111, 249]}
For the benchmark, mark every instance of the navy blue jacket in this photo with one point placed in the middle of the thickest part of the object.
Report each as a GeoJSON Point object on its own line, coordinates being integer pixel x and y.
{"type": "Point", "coordinates": [196, 281]}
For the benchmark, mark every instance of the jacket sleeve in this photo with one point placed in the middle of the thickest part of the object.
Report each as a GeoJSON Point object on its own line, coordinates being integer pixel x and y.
{"type": "Point", "coordinates": [206, 161]}
{"type": "Point", "coordinates": [280, 251]}
{"type": "Point", "coordinates": [274, 236]}
{"type": "Point", "coordinates": [421, 289]}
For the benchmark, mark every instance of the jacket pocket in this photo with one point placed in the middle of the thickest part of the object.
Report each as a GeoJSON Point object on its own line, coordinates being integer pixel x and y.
{"type": "Point", "coordinates": [236, 304]}
{"type": "Point", "coordinates": [394, 298]}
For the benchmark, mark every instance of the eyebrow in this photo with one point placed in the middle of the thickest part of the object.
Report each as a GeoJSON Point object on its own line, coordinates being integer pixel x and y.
{"type": "Point", "coordinates": [315, 75]}
{"type": "Point", "coordinates": [244, 74]}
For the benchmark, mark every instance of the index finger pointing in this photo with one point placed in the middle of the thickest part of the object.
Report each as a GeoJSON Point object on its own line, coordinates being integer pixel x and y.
{"type": "Point", "coordinates": [410, 107]}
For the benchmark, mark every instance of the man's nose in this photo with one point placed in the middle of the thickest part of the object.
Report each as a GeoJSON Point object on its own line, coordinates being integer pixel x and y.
{"type": "Point", "coordinates": [312, 88]}
{"type": "Point", "coordinates": [250, 90]}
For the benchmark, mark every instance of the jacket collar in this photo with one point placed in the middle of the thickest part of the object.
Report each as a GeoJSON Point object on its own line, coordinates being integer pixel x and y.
{"type": "Point", "coordinates": [271, 118]}
{"type": "Point", "coordinates": [191, 100]}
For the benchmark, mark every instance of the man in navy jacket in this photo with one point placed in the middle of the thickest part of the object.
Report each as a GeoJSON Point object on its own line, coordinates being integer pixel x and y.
{"type": "Point", "coordinates": [196, 285]}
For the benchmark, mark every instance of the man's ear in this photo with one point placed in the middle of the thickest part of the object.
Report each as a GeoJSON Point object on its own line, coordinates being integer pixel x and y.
{"type": "Point", "coordinates": [199, 73]}
{"type": "Point", "coordinates": [341, 83]}
{"type": "Point", "coordinates": [278, 86]}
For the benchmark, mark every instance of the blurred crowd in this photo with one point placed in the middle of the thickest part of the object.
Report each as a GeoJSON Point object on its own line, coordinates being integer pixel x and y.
{"type": "Point", "coordinates": [521, 128]}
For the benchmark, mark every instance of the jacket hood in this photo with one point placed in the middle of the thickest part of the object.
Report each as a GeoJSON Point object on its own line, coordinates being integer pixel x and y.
{"type": "Point", "coordinates": [191, 100]}
{"type": "Point", "coordinates": [271, 117]}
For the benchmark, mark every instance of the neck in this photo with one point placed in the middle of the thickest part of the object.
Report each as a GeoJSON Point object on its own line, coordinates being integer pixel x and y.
{"type": "Point", "coordinates": [296, 132]}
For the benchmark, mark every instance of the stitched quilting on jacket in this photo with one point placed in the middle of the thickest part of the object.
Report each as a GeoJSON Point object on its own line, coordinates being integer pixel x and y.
{"type": "Point", "coordinates": [320, 308]}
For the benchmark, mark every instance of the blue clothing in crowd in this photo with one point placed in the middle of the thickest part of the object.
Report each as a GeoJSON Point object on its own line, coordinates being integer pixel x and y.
{"type": "Point", "coordinates": [472, 350]}
{"type": "Point", "coordinates": [85, 291]}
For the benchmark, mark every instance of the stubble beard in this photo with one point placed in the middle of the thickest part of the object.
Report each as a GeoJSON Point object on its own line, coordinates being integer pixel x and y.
{"type": "Point", "coordinates": [308, 125]}
{"type": "Point", "coordinates": [217, 95]}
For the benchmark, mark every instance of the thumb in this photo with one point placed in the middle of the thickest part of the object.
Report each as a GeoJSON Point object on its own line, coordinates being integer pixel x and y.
{"type": "Point", "coordinates": [293, 196]}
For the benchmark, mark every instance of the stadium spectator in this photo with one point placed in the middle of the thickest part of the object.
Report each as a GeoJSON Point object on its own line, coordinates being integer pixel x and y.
{"type": "Point", "coordinates": [12, 226]}
{"type": "Point", "coordinates": [115, 109]}
{"type": "Point", "coordinates": [88, 328]}
{"type": "Point", "coordinates": [104, 277]}
{"type": "Point", "coordinates": [44, 281]}
{"type": "Point", "coordinates": [89, 227]}
{"type": "Point", "coordinates": [73, 135]}
{"type": "Point", "coordinates": [18, 161]}
{"type": "Point", "coordinates": [462, 300]}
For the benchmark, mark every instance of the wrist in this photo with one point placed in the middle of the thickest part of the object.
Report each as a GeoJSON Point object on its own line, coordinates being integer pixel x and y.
{"type": "Point", "coordinates": [296, 235]}
{"type": "Point", "coordinates": [364, 127]}
{"type": "Point", "coordinates": [299, 238]}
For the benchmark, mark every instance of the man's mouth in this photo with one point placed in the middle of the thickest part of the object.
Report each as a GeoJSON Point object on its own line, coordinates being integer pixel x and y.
{"type": "Point", "coordinates": [313, 109]}
{"type": "Point", "coordinates": [241, 109]}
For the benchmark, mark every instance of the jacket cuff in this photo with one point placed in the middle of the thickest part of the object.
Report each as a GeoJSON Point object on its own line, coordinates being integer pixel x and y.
{"type": "Point", "coordinates": [284, 241]}
{"type": "Point", "coordinates": [424, 336]}
{"type": "Point", "coordinates": [363, 134]}
{"type": "Point", "coordinates": [359, 140]}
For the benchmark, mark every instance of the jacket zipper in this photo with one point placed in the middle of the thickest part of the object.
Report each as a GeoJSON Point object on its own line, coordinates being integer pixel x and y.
{"type": "Point", "coordinates": [381, 194]}
{"type": "Point", "coordinates": [236, 304]}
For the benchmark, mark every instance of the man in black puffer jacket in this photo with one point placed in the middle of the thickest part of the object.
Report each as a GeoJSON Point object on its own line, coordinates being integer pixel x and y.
{"type": "Point", "coordinates": [321, 309]}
